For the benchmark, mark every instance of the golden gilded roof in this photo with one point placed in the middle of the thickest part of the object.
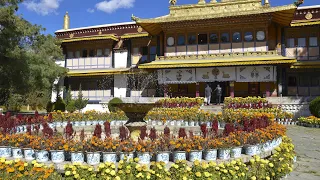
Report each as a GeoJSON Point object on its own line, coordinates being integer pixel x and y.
{"type": "Point", "coordinates": [101, 72]}
{"type": "Point", "coordinates": [306, 65]}
{"type": "Point", "coordinates": [212, 60]}
{"type": "Point", "coordinates": [134, 35]}
{"type": "Point", "coordinates": [305, 23]}
{"type": "Point", "coordinates": [281, 14]}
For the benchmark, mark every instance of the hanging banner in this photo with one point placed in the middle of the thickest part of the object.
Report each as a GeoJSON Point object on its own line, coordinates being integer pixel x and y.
{"type": "Point", "coordinates": [256, 74]}
{"type": "Point", "coordinates": [216, 74]}
{"type": "Point", "coordinates": [178, 76]}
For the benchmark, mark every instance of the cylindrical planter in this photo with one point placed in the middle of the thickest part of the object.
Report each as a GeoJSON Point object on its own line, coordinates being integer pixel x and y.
{"type": "Point", "coordinates": [178, 123]}
{"type": "Point", "coordinates": [251, 150]}
{"type": "Point", "coordinates": [57, 156]}
{"type": "Point", "coordinates": [83, 123]}
{"type": "Point", "coordinates": [100, 122]}
{"type": "Point", "coordinates": [76, 123]}
{"type": "Point", "coordinates": [94, 123]}
{"type": "Point", "coordinates": [89, 123]}
{"type": "Point", "coordinates": [144, 158]}
{"type": "Point", "coordinates": [42, 156]}
{"type": "Point", "coordinates": [236, 152]}
{"type": "Point", "coordinates": [172, 123]}
{"type": "Point", "coordinates": [186, 123]}
{"type": "Point", "coordinates": [118, 123]}
{"type": "Point", "coordinates": [29, 154]}
{"type": "Point", "coordinates": [129, 155]}
{"type": "Point", "coordinates": [163, 157]}
{"type": "Point", "coordinates": [224, 154]}
{"type": "Point", "coordinates": [191, 123]}
{"type": "Point", "coordinates": [58, 124]}
{"type": "Point", "coordinates": [222, 125]}
{"type": "Point", "coordinates": [208, 124]}
{"type": "Point", "coordinates": [159, 123]}
{"type": "Point", "coordinates": [153, 123]}
{"type": "Point", "coordinates": [210, 155]}
{"type": "Point", "coordinates": [195, 155]}
{"type": "Point", "coordinates": [64, 124]}
{"type": "Point", "coordinates": [179, 155]}
{"type": "Point", "coordinates": [93, 158]}
{"type": "Point", "coordinates": [17, 153]}
{"type": "Point", "coordinates": [77, 157]}
{"type": "Point", "coordinates": [109, 157]}
{"type": "Point", "coordinates": [5, 151]}
{"type": "Point", "coordinates": [112, 123]}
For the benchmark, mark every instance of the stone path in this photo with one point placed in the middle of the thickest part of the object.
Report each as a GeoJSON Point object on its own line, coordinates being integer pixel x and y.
{"type": "Point", "coordinates": [307, 146]}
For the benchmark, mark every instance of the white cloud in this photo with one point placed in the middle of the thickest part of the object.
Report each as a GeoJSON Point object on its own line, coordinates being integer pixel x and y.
{"type": "Point", "coordinates": [42, 7]}
{"type": "Point", "coordinates": [111, 6]}
{"type": "Point", "coordinates": [90, 10]}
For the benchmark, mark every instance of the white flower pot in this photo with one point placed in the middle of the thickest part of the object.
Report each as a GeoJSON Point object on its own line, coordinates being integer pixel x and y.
{"type": "Point", "coordinates": [210, 155]}
{"type": "Point", "coordinates": [93, 158]}
{"type": "Point", "coordinates": [29, 154]}
{"type": "Point", "coordinates": [77, 157]}
{"type": "Point", "coordinates": [251, 150]}
{"type": "Point", "coordinates": [17, 153]}
{"type": "Point", "coordinates": [163, 157]}
{"type": "Point", "coordinates": [83, 123]}
{"type": "Point", "coordinates": [144, 158]}
{"type": "Point", "coordinates": [109, 157]}
{"type": "Point", "coordinates": [195, 156]}
{"type": "Point", "coordinates": [224, 154]}
{"type": "Point", "coordinates": [42, 156]}
{"type": "Point", "coordinates": [236, 152]}
{"type": "Point", "coordinates": [57, 156]}
{"type": "Point", "coordinates": [179, 155]}
{"type": "Point", "coordinates": [128, 155]}
{"type": "Point", "coordinates": [5, 151]}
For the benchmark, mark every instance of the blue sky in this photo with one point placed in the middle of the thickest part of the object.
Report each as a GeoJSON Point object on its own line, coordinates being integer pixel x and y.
{"type": "Point", "coordinates": [49, 13]}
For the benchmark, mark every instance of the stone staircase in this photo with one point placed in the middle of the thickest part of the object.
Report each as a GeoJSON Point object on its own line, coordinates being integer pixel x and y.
{"type": "Point", "coordinates": [212, 108]}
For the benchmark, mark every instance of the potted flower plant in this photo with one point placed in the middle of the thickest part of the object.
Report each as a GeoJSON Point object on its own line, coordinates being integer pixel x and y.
{"type": "Point", "coordinates": [109, 150]}
{"type": "Point", "coordinates": [127, 148]}
{"type": "Point", "coordinates": [179, 148]}
{"type": "Point", "coordinates": [196, 146]}
{"type": "Point", "coordinates": [145, 150]}
{"type": "Point", "coordinates": [57, 149]}
{"type": "Point", "coordinates": [76, 150]}
{"type": "Point", "coordinates": [210, 149]}
{"type": "Point", "coordinates": [163, 148]}
{"type": "Point", "coordinates": [93, 147]}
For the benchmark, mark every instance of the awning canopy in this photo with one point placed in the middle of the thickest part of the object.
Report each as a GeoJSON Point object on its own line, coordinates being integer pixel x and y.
{"type": "Point", "coordinates": [110, 36]}
{"type": "Point", "coordinates": [306, 65]}
{"type": "Point", "coordinates": [101, 72]}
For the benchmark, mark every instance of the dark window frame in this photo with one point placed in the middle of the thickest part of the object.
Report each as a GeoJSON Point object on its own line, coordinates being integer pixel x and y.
{"type": "Point", "coordinates": [205, 40]}
{"type": "Point", "coordinates": [217, 38]}
{"type": "Point", "coordinates": [222, 36]}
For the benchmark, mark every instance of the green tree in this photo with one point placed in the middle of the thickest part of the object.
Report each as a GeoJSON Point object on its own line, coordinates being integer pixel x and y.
{"type": "Point", "coordinates": [80, 102]}
{"type": "Point", "coordinates": [27, 56]}
{"type": "Point", "coordinates": [69, 101]}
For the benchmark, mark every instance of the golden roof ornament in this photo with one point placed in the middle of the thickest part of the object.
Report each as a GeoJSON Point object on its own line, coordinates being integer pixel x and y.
{"type": "Point", "coordinates": [173, 2]}
{"type": "Point", "coordinates": [213, 1]}
{"type": "Point", "coordinates": [66, 22]}
{"type": "Point", "coordinates": [309, 16]}
{"type": "Point", "coordinates": [266, 3]}
{"type": "Point", "coordinates": [201, 1]}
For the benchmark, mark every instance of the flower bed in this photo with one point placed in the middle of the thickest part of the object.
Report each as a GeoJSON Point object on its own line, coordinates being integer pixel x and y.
{"type": "Point", "coordinates": [181, 102]}
{"type": "Point", "coordinates": [276, 167]}
{"type": "Point", "coordinates": [310, 121]}
{"type": "Point", "coordinates": [246, 103]}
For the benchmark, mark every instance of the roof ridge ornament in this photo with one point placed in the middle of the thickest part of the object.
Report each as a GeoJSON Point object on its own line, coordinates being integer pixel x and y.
{"type": "Point", "coordinates": [201, 1]}
{"type": "Point", "coordinates": [298, 2]}
{"type": "Point", "coordinates": [173, 2]}
{"type": "Point", "coordinates": [266, 3]}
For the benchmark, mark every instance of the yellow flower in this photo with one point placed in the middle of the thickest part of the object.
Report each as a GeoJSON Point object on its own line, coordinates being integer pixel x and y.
{"type": "Point", "coordinates": [101, 166]}
{"type": "Point", "coordinates": [74, 172]}
{"type": "Point", "coordinates": [236, 168]}
{"type": "Point", "coordinates": [184, 178]}
{"type": "Point", "coordinates": [253, 178]}
{"type": "Point", "coordinates": [76, 176]}
{"type": "Point", "coordinates": [198, 174]}
{"type": "Point", "coordinates": [90, 169]}
{"type": "Point", "coordinates": [117, 178]}
{"type": "Point", "coordinates": [270, 164]}
{"type": "Point", "coordinates": [68, 173]}
{"type": "Point", "coordinates": [267, 178]}
{"type": "Point", "coordinates": [113, 173]}
{"type": "Point", "coordinates": [2, 160]}
{"type": "Point", "coordinates": [206, 174]}
{"type": "Point", "coordinates": [107, 171]}
{"type": "Point", "coordinates": [25, 164]}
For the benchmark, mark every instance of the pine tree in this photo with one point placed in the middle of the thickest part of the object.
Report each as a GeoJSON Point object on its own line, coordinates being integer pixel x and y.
{"type": "Point", "coordinates": [80, 102]}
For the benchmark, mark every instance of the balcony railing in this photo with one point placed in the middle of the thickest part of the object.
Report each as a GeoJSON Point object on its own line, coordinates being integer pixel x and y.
{"type": "Point", "coordinates": [93, 95]}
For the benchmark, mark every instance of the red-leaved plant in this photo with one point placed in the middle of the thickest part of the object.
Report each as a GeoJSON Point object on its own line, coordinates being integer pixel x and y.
{"type": "Point", "coordinates": [97, 131]}
{"type": "Point", "coordinates": [69, 131]}
{"type": "Point", "coordinates": [123, 133]}
{"type": "Point", "coordinates": [204, 130]}
{"type": "Point", "coordinates": [153, 134]}
{"type": "Point", "coordinates": [107, 129]}
{"type": "Point", "coordinates": [182, 133]}
{"type": "Point", "coordinates": [167, 131]}
{"type": "Point", "coordinates": [143, 132]}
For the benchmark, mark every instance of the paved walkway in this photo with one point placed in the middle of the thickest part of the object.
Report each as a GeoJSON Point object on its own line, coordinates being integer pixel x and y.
{"type": "Point", "coordinates": [307, 146]}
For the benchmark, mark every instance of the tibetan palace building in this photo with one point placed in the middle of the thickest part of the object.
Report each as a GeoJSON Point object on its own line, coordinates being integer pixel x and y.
{"type": "Point", "coordinates": [247, 47]}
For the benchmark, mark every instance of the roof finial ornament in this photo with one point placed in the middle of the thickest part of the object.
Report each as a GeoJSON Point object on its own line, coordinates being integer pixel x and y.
{"type": "Point", "coordinates": [213, 1]}
{"type": "Point", "coordinates": [66, 21]}
{"type": "Point", "coordinates": [298, 2]}
{"type": "Point", "coordinates": [201, 1]}
{"type": "Point", "coordinates": [173, 2]}
{"type": "Point", "coordinates": [266, 3]}
{"type": "Point", "coordinates": [133, 18]}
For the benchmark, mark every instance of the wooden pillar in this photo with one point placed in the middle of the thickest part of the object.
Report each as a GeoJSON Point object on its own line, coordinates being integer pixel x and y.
{"type": "Point", "coordinates": [197, 89]}
{"type": "Point", "coordinates": [231, 89]}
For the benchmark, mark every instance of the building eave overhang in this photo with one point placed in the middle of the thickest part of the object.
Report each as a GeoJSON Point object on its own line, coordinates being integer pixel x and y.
{"type": "Point", "coordinates": [103, 72]}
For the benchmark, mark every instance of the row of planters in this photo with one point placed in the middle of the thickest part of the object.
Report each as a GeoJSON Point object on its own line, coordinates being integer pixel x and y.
{"type": "Point", "coordinates": [181, 102]}
{"type": "Point", "coordinates": [58, 149]}
{"type": "Point", "coordinates": [276, 167]}
{"type": "Point", "coordinates": [310, 121]}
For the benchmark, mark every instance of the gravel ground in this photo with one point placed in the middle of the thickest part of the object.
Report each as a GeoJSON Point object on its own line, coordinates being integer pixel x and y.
{"type": "Point", "coordinates": [307, 146]}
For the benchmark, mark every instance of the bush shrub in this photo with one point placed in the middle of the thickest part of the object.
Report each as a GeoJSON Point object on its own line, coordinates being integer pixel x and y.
{"type": "Point", "coordinates": [314, 107]}
{"type": "Point", "coordinates": [49, 106]}
{"type": "Point", "coordinates": [71, 106]}
{"type": "Point", "coordinates": [60, 105]}
{"type": "Point", "coordinates": [112, 102]}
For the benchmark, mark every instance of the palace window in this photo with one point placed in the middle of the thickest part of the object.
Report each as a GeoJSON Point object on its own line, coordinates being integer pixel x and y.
{"type": "Point", "coordinates": [301, 42]}
{"type": "Point", "coordinates": [290, 42]}
{"type": "Point", "coordinates": [292, 81]}
{"type": "Point", "coordinates": [136, 51]}
{"type": "Point", "coordinates": [77, 54]}
{"type": "Point", "coordinates": [99, 52]}
{"type": "Point", "coordinates": [236, 37]}
{"type": "Point", "coordinates": [170, 41]}
{"type": "Point", "coordinates": [91, 53]}
{"type": "Point", "coordinates": [261, 36]}
{"type": "Point", "coordinates": [225, 38]}
{"type": "Point", "coordinates": [181, 40]}
{"type": "Point", "coordinates": [313, 41]}
{"type": "Point", "coordinates": [107, 52]}
{"type": "Point", "coordinates": [214, 38]}
{"type": "Point", "coordinates": [202, 38]}
{"type": "Point", "coordinates": [145, 51]}
{"type": "Point", "coordinates": [248, 36]}
{"type": "Point", "coordinates": [192, 39]}
{"type": "Point", "coordinates": [304, 81]}
{"type": "Point", "coordinates": [84, 53]}
{"type": "Point", "coordinates": [314, 81]}
{"type": "Point", "coordinates": [70, 54]}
